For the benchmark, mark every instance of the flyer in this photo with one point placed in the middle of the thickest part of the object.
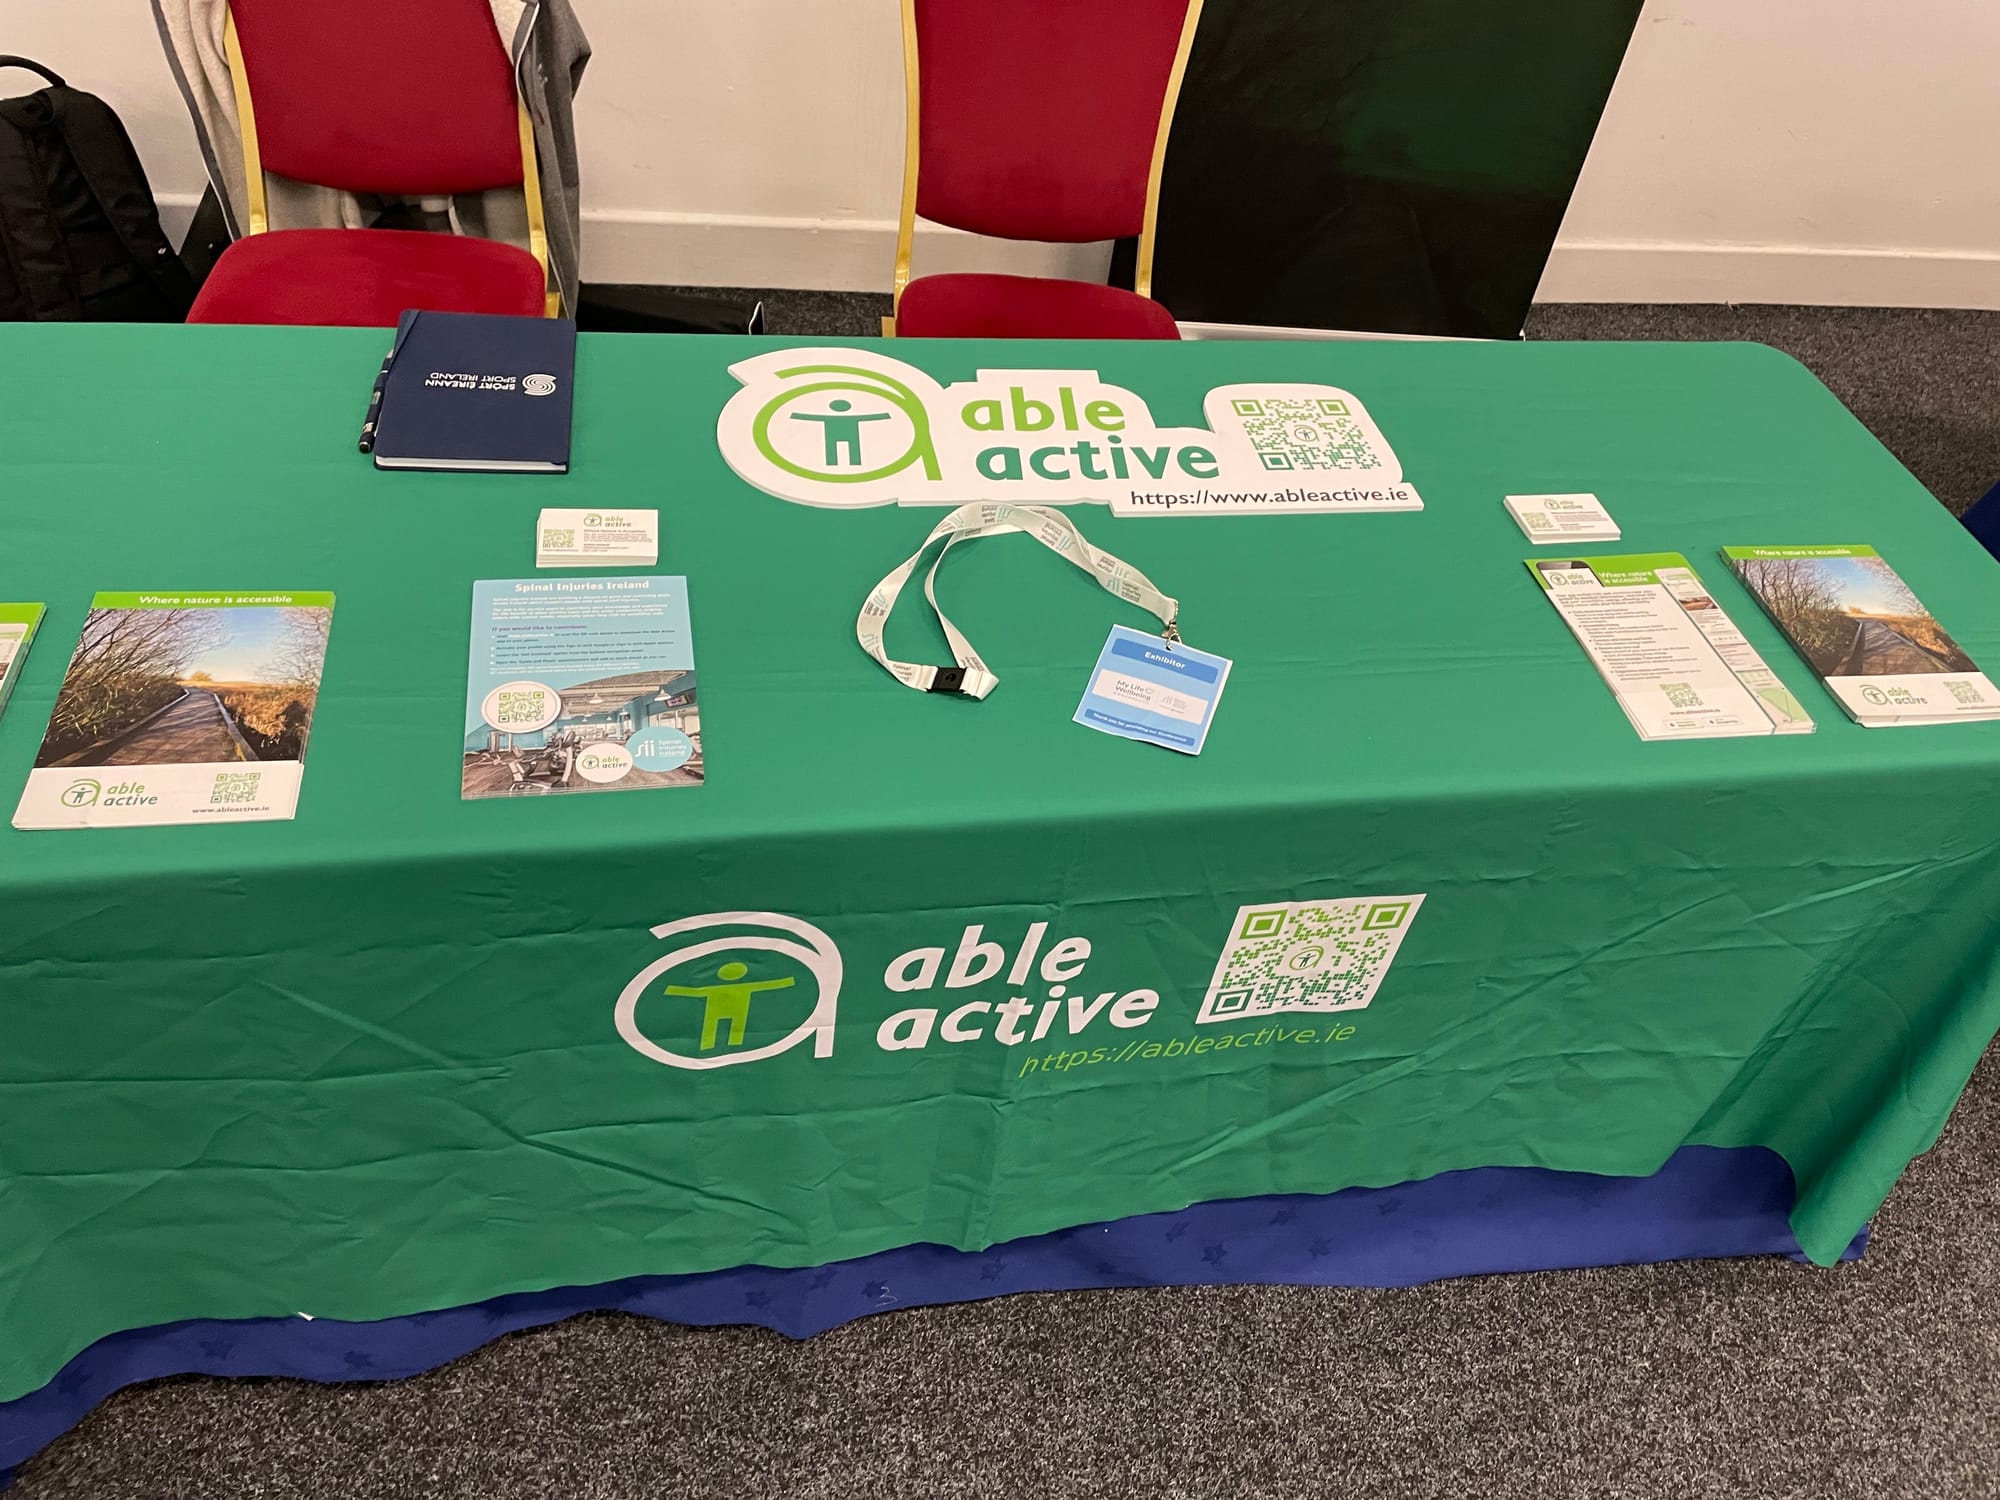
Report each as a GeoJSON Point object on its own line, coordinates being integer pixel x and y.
{"type": "Point", "coordinates": [182, 708]}
{"type": "Point", "coordinates": [1786, 713]}
{"type": "Point", "coordinates": [18, 623]}
{"type": "Point", "coordinates": [1665, 671]}
{"type": "Point", "coordinates": [580, 685]}
{"type": "Point", "coordinates": [1881, 654]}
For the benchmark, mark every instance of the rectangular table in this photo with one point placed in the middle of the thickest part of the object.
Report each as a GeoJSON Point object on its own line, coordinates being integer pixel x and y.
{"type": "Point", "coordinates": [369, 1062]}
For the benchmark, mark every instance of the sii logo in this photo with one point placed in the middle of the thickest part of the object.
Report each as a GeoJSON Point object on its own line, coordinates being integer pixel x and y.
{"type": "Point", "coordinates": [727, 1004]}
{"type": "Point", "coordinates": [81, 793]}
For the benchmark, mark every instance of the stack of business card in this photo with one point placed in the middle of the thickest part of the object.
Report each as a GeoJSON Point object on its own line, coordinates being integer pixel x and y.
{"type": "Point", "coordinates": [1549, 519]}
{"type": "Point", "coordinates": [597, 538]}
{"type": "Point", "coordinates": [17, 633]}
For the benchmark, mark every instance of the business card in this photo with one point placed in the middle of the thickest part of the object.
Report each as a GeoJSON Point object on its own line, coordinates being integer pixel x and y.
{"type": "Point", "coordinates": [1548, 519]}
{"type": "Point", "coordinates": [597, 538]}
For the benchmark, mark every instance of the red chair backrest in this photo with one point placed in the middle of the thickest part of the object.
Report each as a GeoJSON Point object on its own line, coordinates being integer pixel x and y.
{"type": "Point", "coordinates": [1036, 118]}
{"type": "Point", "coordinates": [381, 96]}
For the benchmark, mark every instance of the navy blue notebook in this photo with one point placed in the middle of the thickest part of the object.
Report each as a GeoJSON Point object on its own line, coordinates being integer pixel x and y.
{"type": "Point", "coordinates": [477, 392]}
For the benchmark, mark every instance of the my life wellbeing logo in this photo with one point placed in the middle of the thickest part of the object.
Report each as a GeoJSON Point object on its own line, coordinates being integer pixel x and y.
{"type": "Point", "coordinates": [847, 428]}
{"type": "Point", "coordinates": [1009, 988]}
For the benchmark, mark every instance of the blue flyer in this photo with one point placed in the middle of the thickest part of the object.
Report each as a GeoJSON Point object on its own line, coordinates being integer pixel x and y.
{"type": "Point", "coordinates": [1144, 689]}
{"type": "Point", "coordinates": [580, 685]}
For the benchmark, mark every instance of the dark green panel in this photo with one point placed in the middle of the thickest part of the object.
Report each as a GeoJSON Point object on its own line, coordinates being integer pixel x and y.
{"type": "Point", "coordinates": [1394, 167]}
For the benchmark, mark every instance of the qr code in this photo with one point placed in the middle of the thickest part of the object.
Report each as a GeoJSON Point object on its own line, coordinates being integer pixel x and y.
{"type": "Point", "coordinates": [236, 786]}
{"type": "Point", "coordinates": [1965, 692]}
{"type": "Point", "coordinates": [1305, 434]}
{"type": "Point", "coordinates": [1307, 955]}
{"type": "Point", "coordinates": [554, 540]}
{"type": "Point", "coordinates": [1536, 521]}
{"type": "Point", "coordinates": [519, 708]}
{"type": "Point", "coordinates": [1681, 695]}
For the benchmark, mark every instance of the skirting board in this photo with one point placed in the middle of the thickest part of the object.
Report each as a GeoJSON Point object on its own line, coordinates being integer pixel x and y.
{"type": "Point", "coordinates": [815, 255]}
{"type": "Point", "coordinates": [1801, 275]}
{"type": "Point", "coordinates": [669, 249]}
{"type": "Point", "coordinates": [858, 255]}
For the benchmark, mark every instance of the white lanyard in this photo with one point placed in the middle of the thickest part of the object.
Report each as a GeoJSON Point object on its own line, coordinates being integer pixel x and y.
{"type": "Point", "coordinates": [968, 523]}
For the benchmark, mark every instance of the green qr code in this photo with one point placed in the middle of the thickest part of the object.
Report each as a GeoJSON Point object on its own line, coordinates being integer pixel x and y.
{"type": "Point", "coordinates": [1292, 433]}
{"type": "Point", "coordinates": [1307, 956]}
{"type": "Point", "coordinates": [235, 786]}
{"type": "Point", "coordinates": [520, 708]}
{"type": "Point", "coordinates": [1681, 695]}
{"type": "Point", "coordinates": [554, 540]}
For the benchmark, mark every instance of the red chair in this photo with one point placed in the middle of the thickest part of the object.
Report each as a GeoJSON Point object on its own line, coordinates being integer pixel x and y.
{"type": "Point", "coordinates": [393, 97]}
{"type": "Point", "coordinates": [1037, 120]}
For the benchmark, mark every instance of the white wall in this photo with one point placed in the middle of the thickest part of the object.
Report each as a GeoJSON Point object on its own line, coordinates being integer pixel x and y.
{"type": "Point", "coordinates": [1815, 151]}
{"type": "Point", "coordinates": [779, 162]}
{"type": "Point", "coordinates": [1753, 150]}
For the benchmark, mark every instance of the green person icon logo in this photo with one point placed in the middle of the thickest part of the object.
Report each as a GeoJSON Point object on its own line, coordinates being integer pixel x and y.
{"type": "Point", "coordinates": [825, 396]}
{"type": "Point", "coordinates": [842, 425]}
{"type": "Point", "coordinates": [720, 937]}
{"type": "Point", "coordinates": [729, 1001]}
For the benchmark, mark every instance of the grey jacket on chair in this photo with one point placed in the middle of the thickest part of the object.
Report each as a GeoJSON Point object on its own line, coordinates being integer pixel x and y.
{"type": "Point", "coordinates": [549, 50]}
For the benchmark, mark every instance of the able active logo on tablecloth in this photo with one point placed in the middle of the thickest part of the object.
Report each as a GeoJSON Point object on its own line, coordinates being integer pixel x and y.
{"type": "Point", "coordinates": [740, 986]}
{"type": "Point", "coordinates": [845, 428]}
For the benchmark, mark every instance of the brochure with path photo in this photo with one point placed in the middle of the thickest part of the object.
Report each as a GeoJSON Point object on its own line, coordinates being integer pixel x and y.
{"type": "Point", "coordinates": [18, 624]}
{"type": "Point", "coordinates": [1677, 665]}
{"type": "Point", "coordinates": [583, 685]}
{"type": "Point", "coordinates": [182, 708]}
{"type": "Point", "coordinates": [1863, 630]}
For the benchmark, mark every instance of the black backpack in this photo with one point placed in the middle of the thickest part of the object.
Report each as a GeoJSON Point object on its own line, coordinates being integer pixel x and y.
{"type": "Point", "coordinates": [80, 236]}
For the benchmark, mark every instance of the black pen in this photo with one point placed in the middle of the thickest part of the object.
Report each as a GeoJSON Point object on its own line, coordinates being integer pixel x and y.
{"type": "Point", "coordinates": [367, 443]}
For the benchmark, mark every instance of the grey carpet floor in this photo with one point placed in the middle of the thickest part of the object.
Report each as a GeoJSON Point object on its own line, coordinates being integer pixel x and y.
{"type": "Point", "coordinates": [1721, 1378]}
{"type": "Point", "coordinates": [1926, 382]}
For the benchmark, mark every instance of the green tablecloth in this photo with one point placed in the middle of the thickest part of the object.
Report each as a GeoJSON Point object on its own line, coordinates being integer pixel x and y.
{"type": "Point", "coordinates": [365, 1063]}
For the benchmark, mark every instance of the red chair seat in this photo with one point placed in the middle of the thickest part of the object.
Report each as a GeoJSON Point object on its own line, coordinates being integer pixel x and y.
{"type": "Point", "coordinates": [1027, 307]}
{"type": "Point", "coordinates": [365, 278]}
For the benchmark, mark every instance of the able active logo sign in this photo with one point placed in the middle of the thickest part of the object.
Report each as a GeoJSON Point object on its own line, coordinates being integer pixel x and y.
{"type": "Point", "coordinates": [715, 970]}
{"type": "Point", "coordinates": [846, 428]}
{"type": "Point", "coordinates": [738, 987]}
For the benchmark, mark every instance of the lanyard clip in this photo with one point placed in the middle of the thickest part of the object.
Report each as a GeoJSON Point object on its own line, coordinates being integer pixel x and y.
{"type": "Point", "coordinates": [963, 682]}
{"type": "Point", "coordinates": [1172, 634]}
